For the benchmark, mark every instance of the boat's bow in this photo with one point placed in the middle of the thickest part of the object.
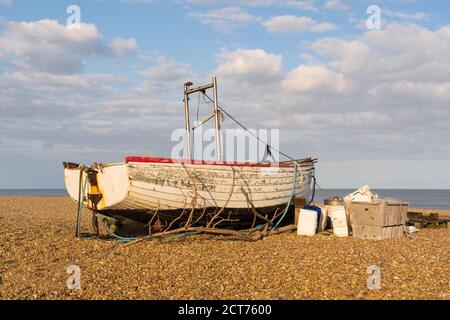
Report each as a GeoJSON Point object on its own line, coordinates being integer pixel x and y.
{"type": "Point", "coordinates": [106, 185]}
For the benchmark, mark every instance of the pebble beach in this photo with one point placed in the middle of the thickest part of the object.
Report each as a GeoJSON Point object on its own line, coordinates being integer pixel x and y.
{"type": "Point", "coordinates": [38, 244]}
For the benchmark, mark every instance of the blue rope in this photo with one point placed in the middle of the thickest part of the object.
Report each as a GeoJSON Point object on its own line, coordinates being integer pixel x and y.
{"type": "Point", "coordinates": [121, 239]}
{"type": "Point", "coordinates": [182, 235]}
{"type": "Point", "coordinates": [112, 234]}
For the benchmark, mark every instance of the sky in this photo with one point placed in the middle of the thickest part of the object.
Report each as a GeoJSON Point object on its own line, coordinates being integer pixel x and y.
{"type": "Point", "coordinates": [370, 101]}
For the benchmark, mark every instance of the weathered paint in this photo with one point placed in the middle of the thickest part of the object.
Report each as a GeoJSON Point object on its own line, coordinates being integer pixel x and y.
{"type": "Point", "coordinates": [135, 159]}
{"type": "Point", "coordinates": [95, 190]}
{"type": "Point", "coordinates": [112, 183]}
{"type": "Point", "coordinates": [167, 185]}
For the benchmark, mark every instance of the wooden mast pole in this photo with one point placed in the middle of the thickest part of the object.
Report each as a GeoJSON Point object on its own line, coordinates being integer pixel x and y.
{"type": "Point", "coordinates": [187, 121]}
{"type": "Point", "coordinates": [217, 116]}
{"type": "Point", "coordinates": [188, 91]}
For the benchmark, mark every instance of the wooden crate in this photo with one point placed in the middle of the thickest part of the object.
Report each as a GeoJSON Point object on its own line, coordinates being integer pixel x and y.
{"type": "Point", "coordinates": [380, 213]}
{"type": "Point", "coordinates": [377, 232]}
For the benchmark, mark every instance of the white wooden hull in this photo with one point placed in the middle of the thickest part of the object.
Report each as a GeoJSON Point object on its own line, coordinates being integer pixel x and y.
{"type": "Point", "coordinates": [169, 185]}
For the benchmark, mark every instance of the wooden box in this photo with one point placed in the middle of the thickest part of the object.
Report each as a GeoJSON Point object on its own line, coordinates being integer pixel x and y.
{"type": "Point", "coordinates": [377, 232]}
{"type": "Point", "coordinates": [380, 213]}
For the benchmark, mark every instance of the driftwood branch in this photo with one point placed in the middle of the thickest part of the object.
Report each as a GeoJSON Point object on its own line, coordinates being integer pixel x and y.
{"type": "Point", "coordinates": [255, 212]}
{"type": "Point", "coordinates": [249, 236]}
{"type": "Point", "coordinates": [208, 223]}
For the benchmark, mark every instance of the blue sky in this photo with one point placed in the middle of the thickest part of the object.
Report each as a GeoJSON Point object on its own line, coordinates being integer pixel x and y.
{"type": "Point", "coordinates": [372, 105]}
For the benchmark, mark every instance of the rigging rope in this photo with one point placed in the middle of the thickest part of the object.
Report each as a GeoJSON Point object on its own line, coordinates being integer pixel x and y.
{"type": "Point", "coordinates": [268, 146]}
{"type": "Point", "coordinates": [248, 131]}
{"type": "Point", "coordinates": [268, 150]}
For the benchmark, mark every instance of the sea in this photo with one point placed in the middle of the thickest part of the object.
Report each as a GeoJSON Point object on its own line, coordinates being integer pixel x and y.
{"type": "Point", "coordinates": [431, 199]}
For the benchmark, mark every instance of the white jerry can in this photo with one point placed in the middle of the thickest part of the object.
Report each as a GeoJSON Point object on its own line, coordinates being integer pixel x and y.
{"type": "Point", "coordinates": [339, 220]}
{"type": "Point", "coordinates": [307, 223]}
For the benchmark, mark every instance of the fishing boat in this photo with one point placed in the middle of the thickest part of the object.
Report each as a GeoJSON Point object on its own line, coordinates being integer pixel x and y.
{"type": "Point", "coordinates": [188, 190]}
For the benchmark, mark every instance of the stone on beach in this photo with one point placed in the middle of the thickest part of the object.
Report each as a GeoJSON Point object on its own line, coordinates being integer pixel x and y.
{"type": "Point", "coordinates": [37, 244]}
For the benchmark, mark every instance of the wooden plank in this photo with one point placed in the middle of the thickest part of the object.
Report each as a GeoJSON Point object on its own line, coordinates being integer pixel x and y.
{"type": "Point", "coordinates": [427, 217]}
{"type": "Point", "coordinates": [441, 214]}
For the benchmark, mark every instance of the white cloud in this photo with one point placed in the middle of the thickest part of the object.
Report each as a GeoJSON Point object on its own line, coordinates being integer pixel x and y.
{"type": "Point", "coordinates": [405, 16]}
{"type": "Point", "coordinates": [314, 78]}
{"type": "Point", "coordinates": [252, 65]}
{"type": "Point", "coordinates": [354, 54]}
{"type": "Point", "coordinates": [138, 1]}
{"type": "Point", "coordinates": [289, 23]}
{"type": "Point", "coordinates": [7, 3]}
{"type": "Point", "coordinates": [249, 3]}
{"type": "Point", "coordinates": [38, 86]}
{"type": "Point", "coordinates": [123, 47]}
{"type": "Point", "coordinates": [225, 19]}
{"type": "Point", "coordinates": [303, 5]}
{"type": "Point", "coordinates": [355, 120]}
{"type": "Point", "coordinates": [323, 27]}
{"type": "Point", "coordinates": [336, 5]}
{"type": "Point", "coordinates": [425, 91]}
{"type": "Point", "coordinates": [396, 53]}
{"type": "Point", "coordinates": [49, 46]}
{"type": "Point", "coordinates": [151, 87]}
{"type": "Point", "coordinates": [165, 69]}
{"type": "Point", "coordinates": [308, 5]}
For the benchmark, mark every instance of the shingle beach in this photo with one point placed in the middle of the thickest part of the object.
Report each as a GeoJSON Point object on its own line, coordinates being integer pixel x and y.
{"type": "Point", "coordinates": [38, 244]}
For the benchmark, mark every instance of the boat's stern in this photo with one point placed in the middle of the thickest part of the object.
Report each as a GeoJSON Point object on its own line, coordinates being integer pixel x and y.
{"type": "Point", "coordinates": [104, 185]}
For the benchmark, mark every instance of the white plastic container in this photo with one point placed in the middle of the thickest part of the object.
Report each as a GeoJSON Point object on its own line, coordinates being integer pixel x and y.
{"type": "Point", "coordinates": [307, 223]}
{"type": "Point", "coordinates": [363, 194]}
{"type": "Point", "coordinates": [339, 220]}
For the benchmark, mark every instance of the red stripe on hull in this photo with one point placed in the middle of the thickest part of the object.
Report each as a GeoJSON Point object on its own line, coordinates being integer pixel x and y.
{"type": "Point", "coordinates": [203, 162]}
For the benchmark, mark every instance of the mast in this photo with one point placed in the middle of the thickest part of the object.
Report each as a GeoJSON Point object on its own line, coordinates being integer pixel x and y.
{"type": "Point", "coordinates": [187, 120]}
{"type": "Point", "coordinates": [187, 92]}
{"type": "Point", "coordinates": [217, 115]}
